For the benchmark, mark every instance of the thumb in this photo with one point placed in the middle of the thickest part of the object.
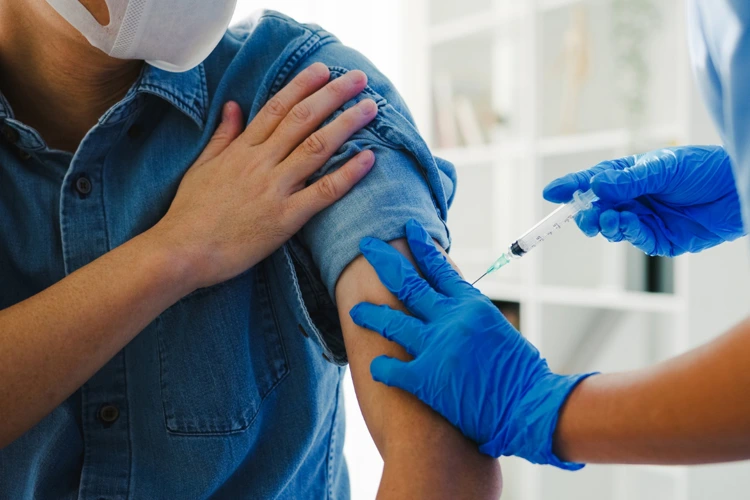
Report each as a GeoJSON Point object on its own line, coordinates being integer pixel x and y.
{"type": "Point", "coordinates": [393, 373]}
{"type": "Point", "coordinates": [227, 131]}
{"type": "Point", "coordinates": [561, 190]}
{"type": "Point", "coordinates": [651, 174]}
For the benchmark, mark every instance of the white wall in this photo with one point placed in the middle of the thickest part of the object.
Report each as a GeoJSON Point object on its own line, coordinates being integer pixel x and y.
{"type": "Point", "coordinates": [373, 29]}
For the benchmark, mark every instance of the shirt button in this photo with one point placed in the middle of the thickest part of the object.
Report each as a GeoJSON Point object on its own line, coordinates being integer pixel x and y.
{"type": "Point", "coordinates": [108, 414]}
{"type": "Point", "coordinates": [9, 133]}
{"type": "Point", "coordinates": [83, 185]}
{"type": "Point", "coordinates": [24, 155]}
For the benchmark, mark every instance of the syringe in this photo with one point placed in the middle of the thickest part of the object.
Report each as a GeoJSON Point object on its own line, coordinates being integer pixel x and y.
{"type": "Point", "coordinates": [547, 227]}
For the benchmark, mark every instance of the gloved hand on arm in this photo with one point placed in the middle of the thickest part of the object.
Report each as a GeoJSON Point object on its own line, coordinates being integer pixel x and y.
{"type": "Point", "coordinates": [666, 202]}
{"type": "Point", "coordinates": [470, 364]}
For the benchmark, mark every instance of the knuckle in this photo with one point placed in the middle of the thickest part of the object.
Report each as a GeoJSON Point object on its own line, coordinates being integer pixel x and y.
{"type": "Point", "coordinates": [416, 292]}
{"type": "Point", "coordinates": [346, 175]}
{"type": "Point", "coordinates": [316, 144]}
{"type": "Point", "coordinates": [220, 137]}
{"type": "Point", "coordinates": [276, 107]}
{"type": "Point", "coordinates": [390, 329]}
{"type": "Point", "coordinates": [301, 112]}
{"type": "Point", "coordinates": [303, 81]}
{"type": "Point", "coordinates": [328, 189]}
{"type": "Point", "coordinates": [348, 119]}
{"type": "Point", "coordinates": [313, 74]}
{"type": "Point", "coordinates": [294, 213]}
{"type": "Point", "coordinates": [339, 87]}
{"type": "Point", "coordinates": [288, 209]}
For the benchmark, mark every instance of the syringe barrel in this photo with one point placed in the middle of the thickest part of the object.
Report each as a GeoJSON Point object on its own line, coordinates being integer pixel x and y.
{"type": "Point", "coordinates": [583, 200]}
{"type": "Point", "coordinates": [552, 223]}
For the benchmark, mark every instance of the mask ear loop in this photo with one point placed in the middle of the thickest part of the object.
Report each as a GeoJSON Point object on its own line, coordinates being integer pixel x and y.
{"type": "Point", "coordinates": [81, 19]}
{"type": "Point", "coordinates": [132, 23]}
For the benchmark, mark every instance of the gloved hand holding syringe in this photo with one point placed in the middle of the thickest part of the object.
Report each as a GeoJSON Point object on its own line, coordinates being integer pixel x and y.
{"type": "Point", "coordinates": [547, 227]}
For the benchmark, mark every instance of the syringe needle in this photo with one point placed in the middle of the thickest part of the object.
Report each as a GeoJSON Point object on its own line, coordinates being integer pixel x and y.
{"type": "Point", "coordinates": [480, 278]}
{"type": "Point", "coordinates": [502, 261]}
{"type": "Point", "coordinates": [539, 233]}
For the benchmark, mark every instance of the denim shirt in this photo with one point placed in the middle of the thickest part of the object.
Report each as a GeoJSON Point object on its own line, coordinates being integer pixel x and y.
{"type": "Point", "coordinates": [235, 391]}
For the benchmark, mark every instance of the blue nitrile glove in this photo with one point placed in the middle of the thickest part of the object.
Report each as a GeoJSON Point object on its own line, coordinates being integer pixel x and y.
{"type": "Point", "coordinates": [666, 202]}
{"type": "Point", "coordinates": [470, 364]}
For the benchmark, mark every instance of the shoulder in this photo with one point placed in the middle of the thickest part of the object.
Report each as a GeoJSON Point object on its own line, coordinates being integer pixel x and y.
{"type": "Point", "coordinates": [265, 51]}
{"type": "Point", "coordinates": [258, 57]}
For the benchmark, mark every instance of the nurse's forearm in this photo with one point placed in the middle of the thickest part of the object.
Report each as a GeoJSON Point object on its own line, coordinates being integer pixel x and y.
{"type": "Point", "coordinates": [53, 342]}
{"type": "Point", "coordinates": [693, 409]}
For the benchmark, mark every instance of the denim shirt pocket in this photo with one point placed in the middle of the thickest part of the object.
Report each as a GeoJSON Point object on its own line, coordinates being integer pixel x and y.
{"type": "Point", "coordinates": [221, 355]}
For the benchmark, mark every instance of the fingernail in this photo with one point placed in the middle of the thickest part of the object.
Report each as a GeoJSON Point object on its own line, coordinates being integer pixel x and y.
{"type": "Point", "coordinates": [225, 112]}
{"type": "Point", "coordinates": [319, 70]}
{"type": "Point", "coordinates": [353, 311]}
{"type": "Point", "coordinates": [357, 77]}
{"type": "Point", "coordinates": [414, 227]}
{"type": "Point", "coordinates": [412, 231]}
{"type": "Point", "coordinates": [368, 247]}
{"type": "Point", "coordinates": [365, 158]}
{"type": "Point", "coordinates": [367, 107]}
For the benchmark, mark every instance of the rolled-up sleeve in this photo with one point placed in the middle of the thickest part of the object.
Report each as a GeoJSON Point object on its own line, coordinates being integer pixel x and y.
{"type": "Point", "coordinates": [406, 182]}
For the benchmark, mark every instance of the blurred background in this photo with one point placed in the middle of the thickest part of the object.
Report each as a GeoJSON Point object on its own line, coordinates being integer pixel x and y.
{"type": "Point", "coordinates": [516, 93]}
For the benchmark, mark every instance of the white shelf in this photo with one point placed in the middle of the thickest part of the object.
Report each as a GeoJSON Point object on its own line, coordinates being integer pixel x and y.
{"type": "Point", "coordinates": [604, 140]}
{"type": "Point", "coordinates": [596, 298]}
{"type": "Point", "coordinates": [559, 145]}
{"type": "Point", "coordinates": [547, 5]}
{"type": "Point", "coordinates": [501, 292]}
{"type": "Point", "coordinates": [475, 155]}
{"type": "Point", "coordinates": [469, 25]}
{"type": "Point", "coordinates": [620, 300]}
{"type": "Point", "coordinates": [672, 472]}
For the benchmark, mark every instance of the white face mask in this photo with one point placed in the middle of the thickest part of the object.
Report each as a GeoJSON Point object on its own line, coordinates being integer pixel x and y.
{"type": "Point", "coordinates": [173, 35]}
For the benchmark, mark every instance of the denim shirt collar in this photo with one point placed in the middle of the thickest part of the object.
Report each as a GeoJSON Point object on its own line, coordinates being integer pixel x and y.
{"type": "Point", "coordinates": [185, 91]}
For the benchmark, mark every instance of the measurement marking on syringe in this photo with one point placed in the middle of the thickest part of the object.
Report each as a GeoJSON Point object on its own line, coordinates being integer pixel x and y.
{"type": "Point", "coordinates": [544, 229]}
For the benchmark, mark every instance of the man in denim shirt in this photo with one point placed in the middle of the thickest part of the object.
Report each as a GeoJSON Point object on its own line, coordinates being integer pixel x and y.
{"type": "Point", "coordinates": [235, 390]}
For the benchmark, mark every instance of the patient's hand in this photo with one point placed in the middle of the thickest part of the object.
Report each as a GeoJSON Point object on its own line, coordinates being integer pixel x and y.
{"type": "Point", "coordinates": [246, 195]}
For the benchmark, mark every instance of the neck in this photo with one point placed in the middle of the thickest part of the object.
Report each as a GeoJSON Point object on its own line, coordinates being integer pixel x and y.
{"type": "Point", "coordinates": [53, 78]}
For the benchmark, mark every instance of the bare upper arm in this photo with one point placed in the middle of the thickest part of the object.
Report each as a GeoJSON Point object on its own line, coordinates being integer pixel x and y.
{"type": "Point", "coordinates": [425, 457]}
